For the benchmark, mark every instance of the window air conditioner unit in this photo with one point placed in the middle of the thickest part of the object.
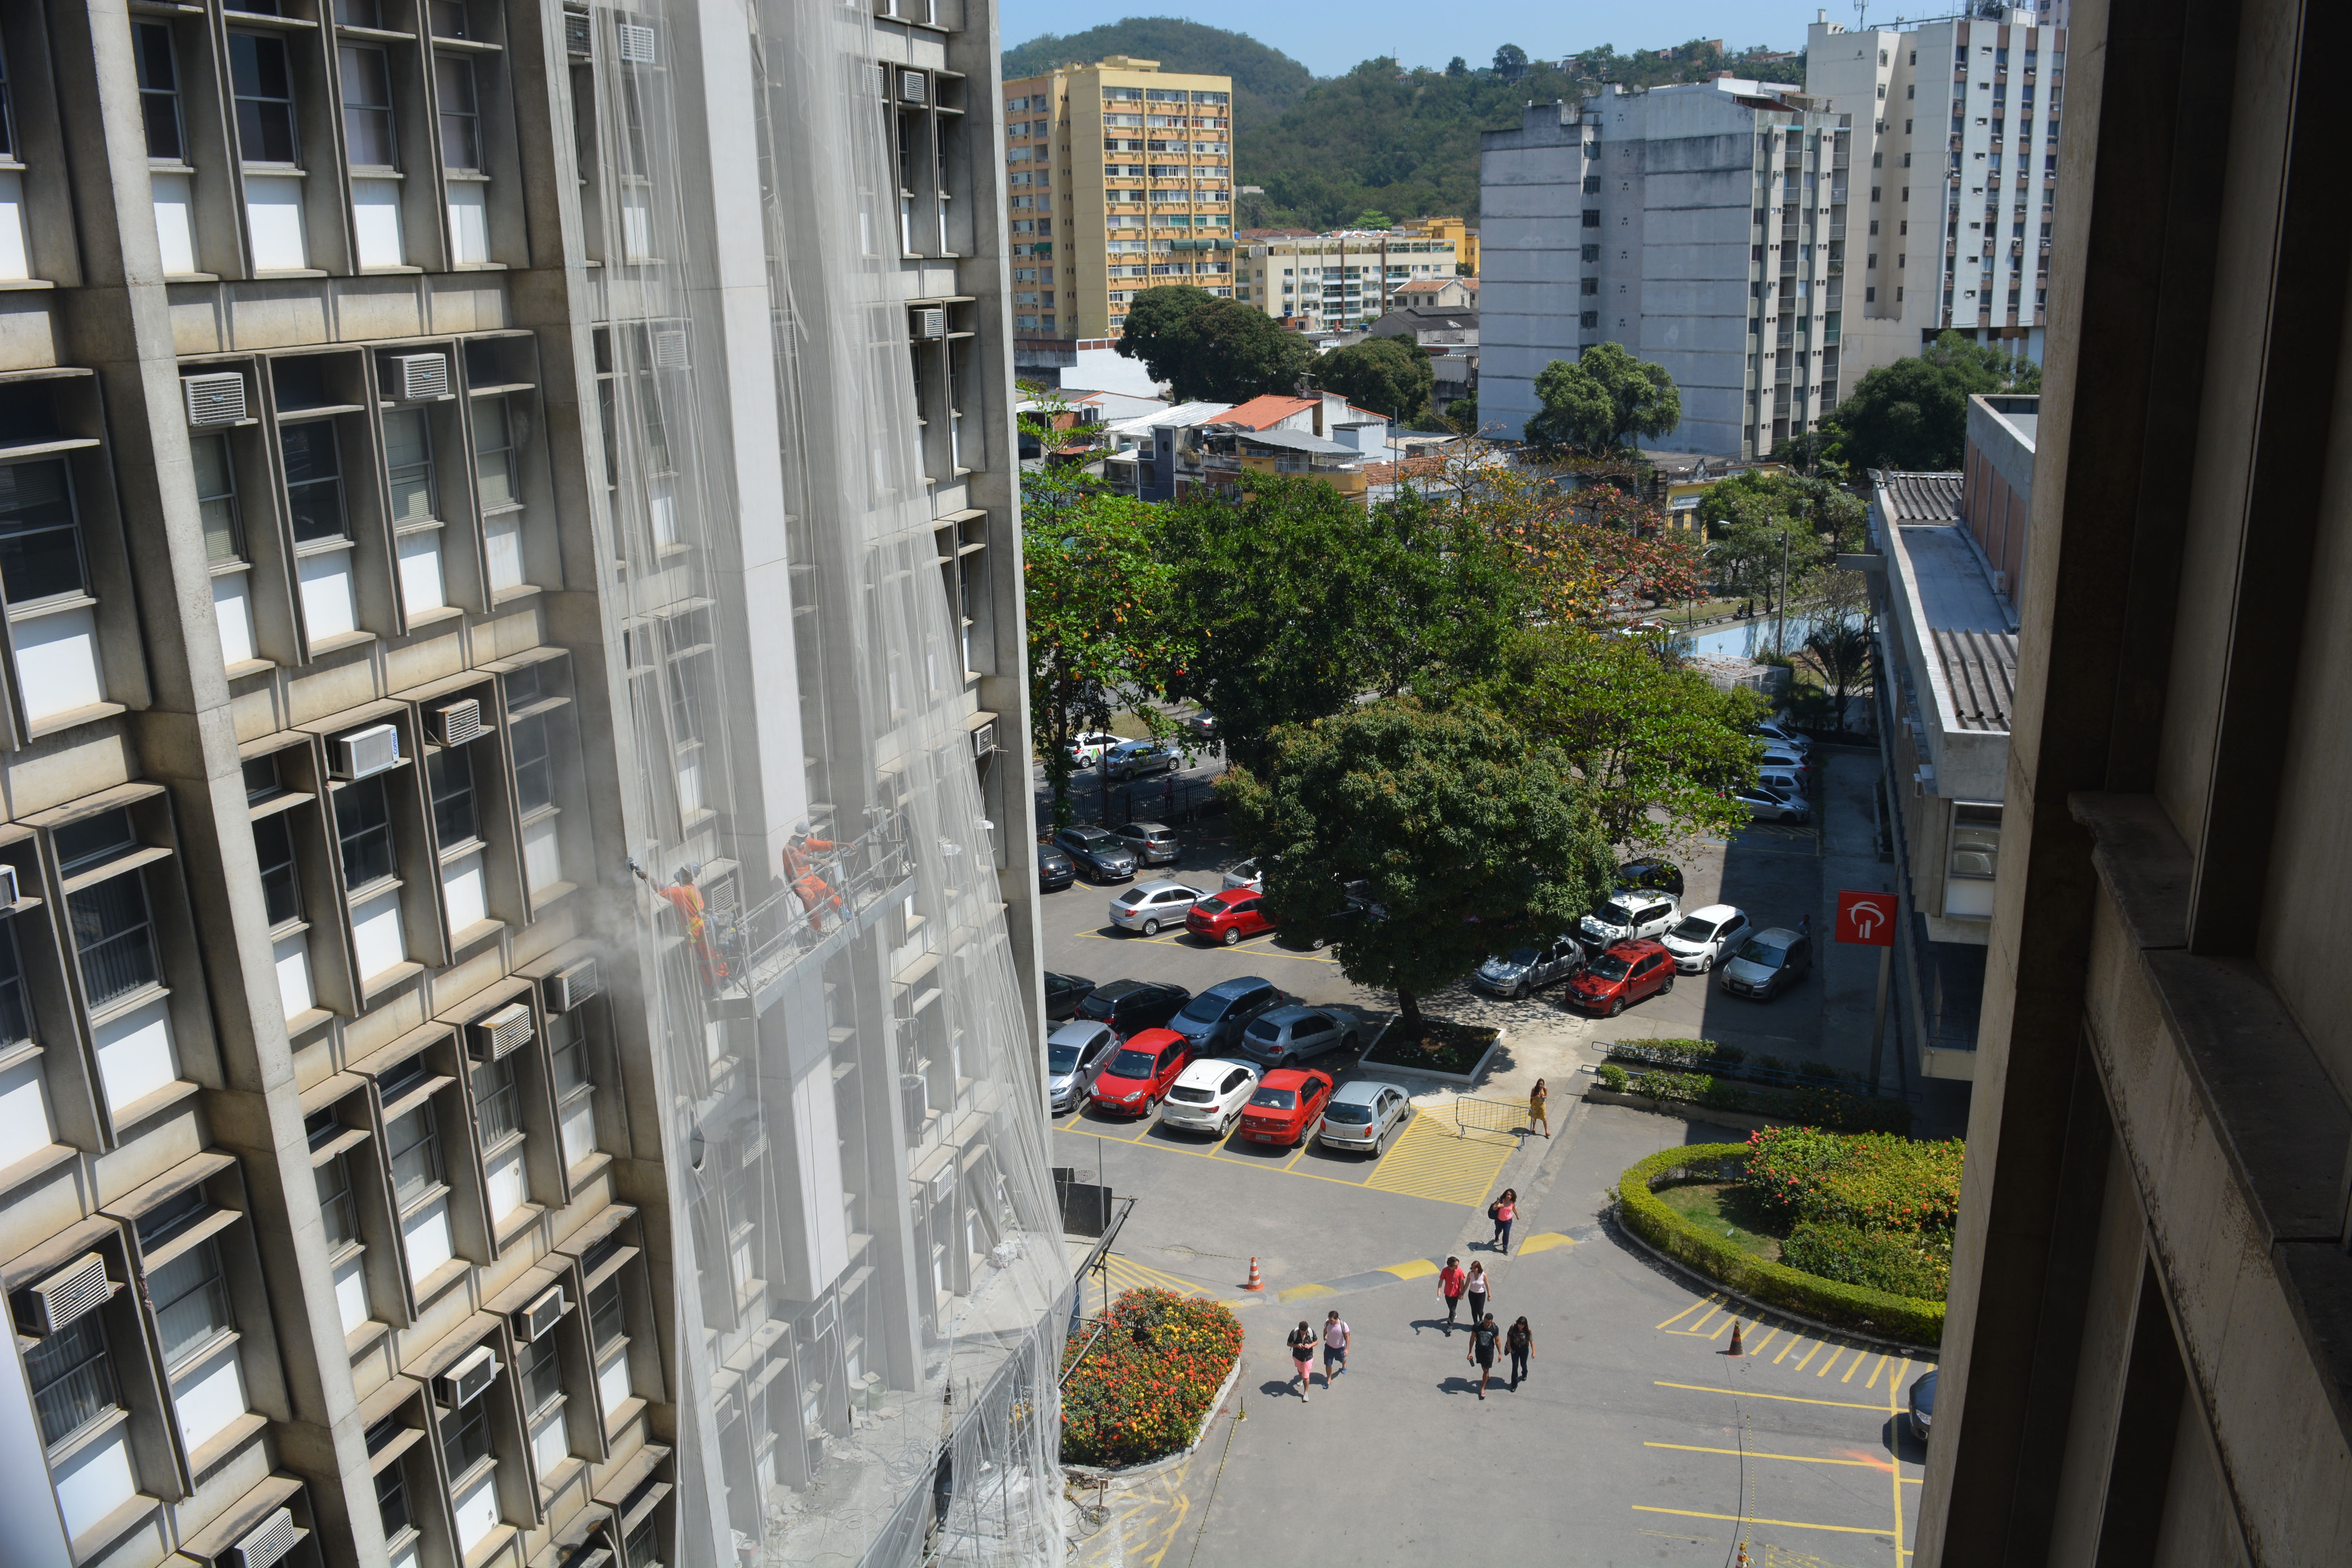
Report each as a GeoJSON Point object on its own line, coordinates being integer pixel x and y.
{"type": "Point", "coordinates": [983, 739]}
{"type": "Point", "coordinates": [670, 349]}
{"type": "Point", "coordinates": [363, 753]}
{"type": "Point", "coordinates": [72, 1292]}
{"type": "Point", "coordinates": [217, 398]}
{"type": "Point", "coordinates": [265, 1547]}
{"type": "Point", "coordinates": [568, 988]}
{"type": "Point", "coordinates": [636, 45]}
{"type": "Point", "coordinates": [455, 724]}
{"type": "Point", "coordinates": [932, 322]}
{"type": "Point", "coordinates": [502, 1032]}
{"type": "Point", "coordinates": [464, 1383]}
{"type": "Point", "coordinates": [419, 378]}
{"type": "Point", "coordinates": [579, 35]}
{"type": "Point", "coordinates": [8, 884]}
{"type": "Point", "coordinates": [542, 1314]}
{"type": "Point", "coordinates": [913, 87]}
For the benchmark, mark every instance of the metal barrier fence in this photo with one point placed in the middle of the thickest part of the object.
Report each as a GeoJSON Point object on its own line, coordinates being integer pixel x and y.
{"type": "Point", "coordinates": [1505, 1116]}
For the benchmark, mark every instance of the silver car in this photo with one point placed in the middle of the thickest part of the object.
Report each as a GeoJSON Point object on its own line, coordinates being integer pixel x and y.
{"type": "Point", "coordinates": [1148, 906]}
{"type": "Point", "coordinates": [1766, 803]}
{"type": "Point", "coordinates": [1635, 912]}
{"type": "Point", "coordinates": [1139, 759]}
{"type": "Point", "coordinates": [1154, 843]}
{"type": "Point", "coordinates": [1702, 939]}
{"type": "Point", "coordinates": [1075, 1055]}
{"type": "Point", "coordinates": [1524, 969]}
{"type": "Point", "coordinates": [1245, 875]}
{"type": "Point", "coordinates": [1362, 1114]}
{"type": "Point", "coordinates": [1285, 1036]}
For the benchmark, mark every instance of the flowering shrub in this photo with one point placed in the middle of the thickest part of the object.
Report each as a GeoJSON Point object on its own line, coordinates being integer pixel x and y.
{"type": "Point", "coordinates": [1870, 1181]}
{"type": "Point", "coordinates": [1901, 1263]}
{"type": "Point", "coordinates": [1147, 1380]}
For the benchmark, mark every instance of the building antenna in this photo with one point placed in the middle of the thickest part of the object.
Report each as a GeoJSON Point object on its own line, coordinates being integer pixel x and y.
{"type": "Point", "coordinates": [1860, 6]}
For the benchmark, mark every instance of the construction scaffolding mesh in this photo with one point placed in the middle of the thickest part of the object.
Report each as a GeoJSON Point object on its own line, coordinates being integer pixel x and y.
{"type": "Point", "coordinates": [870, 1291]}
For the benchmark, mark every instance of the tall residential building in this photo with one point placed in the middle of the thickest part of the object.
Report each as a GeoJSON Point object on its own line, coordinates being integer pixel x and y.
{"type": "Point", "coordinates": [1702, 226]}
{"type": "Point", "coordinates": [2146, 1356]}
{"type": "Point", "coordinates": [1118, 178]}
{"type": "Point", "coordinates": [1960, 121]}
{"type": "Point", "coordinates": [1338, 282]}
{"type": "Point", "coordinates": [516, 955]}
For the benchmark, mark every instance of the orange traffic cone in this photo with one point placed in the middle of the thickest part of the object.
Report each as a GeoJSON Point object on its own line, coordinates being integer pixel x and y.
{"type": "Point", "coordinates": [1737, 1348]}
{"type": "Point", "coordinates": [1742, 1561]}
{"type": "Point", "coordinates": [1255, 1282]}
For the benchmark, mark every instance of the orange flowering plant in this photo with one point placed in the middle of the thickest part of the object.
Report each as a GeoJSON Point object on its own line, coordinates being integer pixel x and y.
{"type": "Point", "coordinates": [1140, 1390]}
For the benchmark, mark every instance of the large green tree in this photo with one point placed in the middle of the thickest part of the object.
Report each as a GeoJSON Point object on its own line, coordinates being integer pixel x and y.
{"type": "Point", "coordinates": [1469, 831]}
{"type": "Point", "coordinates": [1209, 349]}
{"type": "Point", "coordinates": [1294, 601]}
{"type": "Point", "coordinates": [1913, 415]}
{"type": "Point", "coordinates": [1816, 505]}
{"type": "Point", "coordinates": [1600, 402]}
{"type": "Point", "coordinates": [1388, 375]}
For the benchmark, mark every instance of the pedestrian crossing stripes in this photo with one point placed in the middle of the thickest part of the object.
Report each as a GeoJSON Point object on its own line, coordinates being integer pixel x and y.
{"type": "Point", "coordinates": [1797, 1348]}
{"type": "Point", "coordinates": [1433, 1161]}
{"type": "Point", "coordinates": [1126, 1274]}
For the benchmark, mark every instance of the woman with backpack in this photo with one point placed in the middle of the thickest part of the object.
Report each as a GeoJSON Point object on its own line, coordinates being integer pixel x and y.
{"type": "Point", "coordinates": [1474, 1286]}
{"type": "Point", "coordinates": [1520, 1343]}
{"type": "Point", "coordinates": [1303, 1340]}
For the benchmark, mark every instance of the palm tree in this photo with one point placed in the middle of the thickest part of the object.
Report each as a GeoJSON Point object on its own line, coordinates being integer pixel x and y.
{"type": "Point", "coordinates": [1845, 652]}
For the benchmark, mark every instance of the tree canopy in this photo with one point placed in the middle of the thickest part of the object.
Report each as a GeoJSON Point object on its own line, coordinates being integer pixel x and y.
{"type": "Point", "coordinates": [1388, 375]}
{"type": "Point", "coordinates": [1210, 349]}
{"type": "Point", "coordinates": [1469, 831]}
{"type": "Point", "coordinates": [1596, 403]}
{"type": "Point", "coordinates": [1913, 415]}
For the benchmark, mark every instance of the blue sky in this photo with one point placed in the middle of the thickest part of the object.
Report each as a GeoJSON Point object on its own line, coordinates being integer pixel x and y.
{"type": "Point", "coordinates": [1419, 33]}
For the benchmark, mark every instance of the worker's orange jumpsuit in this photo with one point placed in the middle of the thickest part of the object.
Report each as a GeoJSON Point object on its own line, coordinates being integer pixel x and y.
{"type": "Point", "coordinates": [816, 893]}
{"type": "Point", "coordinates": [687, 900]}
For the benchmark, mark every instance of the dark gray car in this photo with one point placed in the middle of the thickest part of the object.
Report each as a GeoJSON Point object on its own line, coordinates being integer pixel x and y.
{"type": "Point", "coordinates": [1213, 1020]}
{"type": "Point", "coordinates": [1526, 969]}
{"type": "Point", "coordinates": [1768, 963]}
{"type": "Point", "coordinates": [1287, 1035]}
{"type": "Point", "coordinates": [1075, 1054]}
{"type": "Point", "coordinates": [1154, 843]}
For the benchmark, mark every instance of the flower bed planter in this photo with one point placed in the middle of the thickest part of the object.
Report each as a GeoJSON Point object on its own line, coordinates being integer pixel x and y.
{"type": "Point", "coordinates": [1140, 1390]}
{"type": "Point", "coordinates": [1465, 1049]}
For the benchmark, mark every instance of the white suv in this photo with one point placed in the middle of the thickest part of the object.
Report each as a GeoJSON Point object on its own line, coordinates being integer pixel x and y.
{"type": "Point", "coordinates": [1704, 938]}
{"type": "Point", "coordinates": [1207, 1096]}
{"type": "Point", "coordinates": [1634, 913]}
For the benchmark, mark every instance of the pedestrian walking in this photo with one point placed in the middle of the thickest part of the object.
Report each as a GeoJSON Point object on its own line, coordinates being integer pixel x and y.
{"type": "Point", "coordinates": [1482, 1350]}
{"type": "Point", "coordinates": [1336, 1338]}
{"type": "Point", "coordinates": [1450, 1281]}
{"type": "Point", "coordinates": [1539, 1109]}
{"type": "Point", "coordinates": [1302, 1357]}
{"type": "Point", "coordinates": [1474, 1286]}
{"type": "Point", "coordinates": [1520, 1343]}
{"type": "Point", "coordinates": [1504, 1210]}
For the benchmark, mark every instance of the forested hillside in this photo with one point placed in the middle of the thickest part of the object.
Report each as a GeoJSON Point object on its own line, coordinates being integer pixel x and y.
{"type": "Point", "coordinates": [1401, 142]}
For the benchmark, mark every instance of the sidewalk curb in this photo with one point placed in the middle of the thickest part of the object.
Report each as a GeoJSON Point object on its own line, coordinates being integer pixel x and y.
{"type": "Point", "coordinates": [1174, 1461]}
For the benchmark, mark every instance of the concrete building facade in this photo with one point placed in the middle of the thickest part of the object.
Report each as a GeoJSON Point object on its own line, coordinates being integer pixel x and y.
{"type": "Point", "coordinates": [1340, 281]}
{"type": "Point", "coordinates": [1701, 227]}
{"type": "Point", "coordinates": [1960, 120]}
{"type": "Point", "coordinates": [2148, 1356]}
{"type": "Point", "coordinates": [1118, 178]}
{"type": "Point", "coordinates": [387, 1175]}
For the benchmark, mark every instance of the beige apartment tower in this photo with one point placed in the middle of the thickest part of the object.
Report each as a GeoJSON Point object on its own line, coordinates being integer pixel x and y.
{"type": "Point", "coordinates": [1118, 177]}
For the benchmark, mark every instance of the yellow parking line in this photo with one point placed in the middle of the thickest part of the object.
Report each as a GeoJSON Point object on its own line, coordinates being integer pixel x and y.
{"type": "Point", "coordinates": [1213, 1155]}
{"type": "Point", "coordinates": [1859, 1357]}
{"type": "Point", "coordinates": [1895, 1433]}
{"type": "Point", "coordinates": [1687, 1312]}
{"type": "Point", "coordinates": [1304, 1292]}
{"type": "Point", "coordinates": [1828, 1365]}
{"type": "Point", "coordinates": [1810, 1354]}
{"type": "Point", "coordinates": [1876, 1369]}
{"type": "Point", "coordinates": [1782, 1523]}
{"type": "Point", "coordinates": [1418, 1268]}
{"type": "Point", "coordinates": [1752, 1454]}
{"type": "Point", "coordinates": [1757, 1348]}
{"type": "Point", "coordinates": [1430, 1162]}
{"type": "Point", "coordinates": [1751, 1394]}
{"type": "Point", "coordinates": [1699, 1328]}
{"type": "Point", "coordinates": [1795, 1340]}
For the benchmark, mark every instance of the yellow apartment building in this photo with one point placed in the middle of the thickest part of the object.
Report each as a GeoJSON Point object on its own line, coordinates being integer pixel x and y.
{"type": "Point", "coordinates": [1463, 237]}
{"type": "Point", "coordinates": [1118, 177]}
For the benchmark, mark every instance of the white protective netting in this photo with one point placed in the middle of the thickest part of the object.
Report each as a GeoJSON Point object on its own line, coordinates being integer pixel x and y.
{"type": "Point", "coordinates": [870, 1290]}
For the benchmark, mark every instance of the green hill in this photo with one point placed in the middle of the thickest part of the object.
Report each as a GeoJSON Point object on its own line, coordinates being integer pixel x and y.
{"type": "Point", "coordinates": [1380, 138]}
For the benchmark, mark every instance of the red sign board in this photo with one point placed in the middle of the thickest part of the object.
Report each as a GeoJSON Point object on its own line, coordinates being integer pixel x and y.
{"type": "Point", "coordinates": [1865, 918]}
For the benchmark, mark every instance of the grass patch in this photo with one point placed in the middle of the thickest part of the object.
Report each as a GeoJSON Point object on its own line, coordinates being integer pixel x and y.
{"type": "Point", "coordinates": [1730, 1211]}
{"type": "Point", "coordinates": [1444, 1047]}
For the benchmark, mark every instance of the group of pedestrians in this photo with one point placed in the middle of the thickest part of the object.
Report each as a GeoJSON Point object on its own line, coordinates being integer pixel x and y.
{"type": "Point", "coordinates": [1334, 1338]}
{"type": "Point", "coordinates": [1457, 1285]}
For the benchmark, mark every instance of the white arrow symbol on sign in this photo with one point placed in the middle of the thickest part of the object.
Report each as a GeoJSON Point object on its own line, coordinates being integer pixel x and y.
{"type": "Point", "coordinates": [1866, 919]}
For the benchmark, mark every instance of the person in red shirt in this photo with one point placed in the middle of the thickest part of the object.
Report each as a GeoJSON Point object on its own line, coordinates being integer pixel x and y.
{"type": "Point", "coordinates": [1450, 1281]}
{"type": "Point", "coordinates": [800, 870]}
{"type": "Point", "coordinates": [692, 919]}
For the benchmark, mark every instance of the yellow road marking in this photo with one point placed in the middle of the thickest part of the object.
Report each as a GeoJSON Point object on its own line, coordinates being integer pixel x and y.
{"type": "Point", "coordinates": [1818, 1348]}
{"type": "Point", "coordinates": [1795, 1339]}
{"type": "Point", "coordinates": [1859, 1357]}
{"type": "Point", "coordinates": [1430, 1162]}
{"type": "Point", "coordinates": [1304, 1292]}
{"type": "Point", "coordinates": [1830, 1365]}
{"type": "Point", "coordinates": [1687, 1312]}
{"type": "Point", "coordinates": [1895, 1434]}
{"type": "Point", "coordinates": [1752, 1454]}
{"type": "Point", "coordinates": [1544, 1241]}
{"type": "Point", "coordinates": [1418, 1268]}
{"type": "Point", "coordinates": [1126, 1274]}
{"type": "Point", "coordinates": [1699, 1328]}
{"type": "Point", "coordinates": [1757, 1348]}
{"type": "Point", "coordinates": [1782, 1523]}
{"type": "Point", "coordinates": [1751, 1394]}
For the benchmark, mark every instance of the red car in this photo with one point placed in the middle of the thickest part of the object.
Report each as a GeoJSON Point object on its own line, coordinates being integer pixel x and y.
{"type": "Point", "coordinates": [1625, 973]}
{"type": "Point", "coordinates": [1137, 1076]}
{"type": "Point", "coordinates": [1229, 916]}
{"type": "Point", "coordinates": [1288, 1106]}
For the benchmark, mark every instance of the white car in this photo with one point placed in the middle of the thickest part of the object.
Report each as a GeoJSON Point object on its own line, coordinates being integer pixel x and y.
{"type": "Point", "coordinates": [1785, 779]}
{"type": "Point", "coordinates": [1781, 732]}
{"type": "Point", "coordinates": [1700, 939]}
{"type": "Point", "coordinates": [1781, 759]}
{"type": "Point", "coordinates": [1151, 905]}
{"type": "Point", "coordinates": [1634, 913]}
{"type": "Point", "coordinates": [1207, 1096]}
{"type": "Point", "coordinates": [1087, 750]}
{"type": "Point", "coordinates": [1245, 875]}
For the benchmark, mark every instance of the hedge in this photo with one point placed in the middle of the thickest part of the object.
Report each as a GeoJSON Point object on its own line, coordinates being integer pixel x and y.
{"type": "Point", "coordinates": [1146, 1382]}
{"type": "Point", "coordinates": [1903, 1317]}
{"type": "Point", "coordinates": [1900, 1263]}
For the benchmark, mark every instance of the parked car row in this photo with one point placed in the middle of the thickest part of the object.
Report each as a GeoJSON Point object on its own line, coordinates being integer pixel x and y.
{"type": "Point", "coordinates": [1124, 759]}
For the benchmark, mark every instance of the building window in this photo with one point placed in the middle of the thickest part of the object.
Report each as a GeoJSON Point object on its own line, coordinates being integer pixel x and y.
{"type": "Point", "coordinates": [461, 121]}
{"type": "Point", "coordinates": [392, 1492]}
{"type": "Point", "coordinates": [314, 480]}
{"type": "Point", "coordinates": [494, 473]}
{"type": "Point", "coordinates": [363, 827]}
{"type": "Point", "coordinates": [413, 1145]}
{"type": "Point", "coordinates": [216, 498]}
{"type": "Point", "coordinates": [608, 1342]}
{"type": "Point", "coordinates": [15, 1017]}
{"type": "Point", "coordinates": [466, 1438]}
{"type": "Point", "coordinates": [281, 886]}
{"type": "Point", "coordinates": [451, 777]}
{"type": "Point", "coordinates": [191, 1298]}
{"type": "Point", "coordinates": [368, 137]}
{"type": "Point", "coordinates": [338, 1217]}
{"type": "Point", "coordinates": [158, 93]}
{"type": "Point", "coordinates": [115, 939]}
{"type": "Point", "coordinates": [539, 1372]}
{"type": "Point", "coordinates": [575, 1087]}
{"type": "Point", "coordinates": [264, 89]}
{"type": "Point", "coordinates": [408, 460]}
{"type": "Point", "coordinates": [72, 1381]}
{"type": "Point", "coordinates": [534, 769]}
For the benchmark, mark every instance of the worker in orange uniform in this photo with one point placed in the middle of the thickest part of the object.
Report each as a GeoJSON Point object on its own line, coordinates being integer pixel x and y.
{"type": "Point", "coordinates": [800, 870]}
{"type": "Point", "coordinates": [687, 900]}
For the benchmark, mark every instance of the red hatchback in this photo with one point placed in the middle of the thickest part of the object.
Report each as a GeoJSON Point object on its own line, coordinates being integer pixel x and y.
{"type": "Point", "coordinates": [1230, 916]}
{"type": "Point", "coordinates": [1288, 1106]}
{"type": "Point", "coordinates": [1625, 973]}
{"type": "Point", "coordinates": [1138, 1075]}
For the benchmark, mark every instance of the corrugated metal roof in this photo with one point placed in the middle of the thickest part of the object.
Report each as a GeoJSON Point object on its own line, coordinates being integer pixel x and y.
{"type": "Point", "coordinates": [1980, 670]}
{"type": "Point", "coordinates": [1922, 498]}
{"type": "Point", "coordinates": [1266, 409]}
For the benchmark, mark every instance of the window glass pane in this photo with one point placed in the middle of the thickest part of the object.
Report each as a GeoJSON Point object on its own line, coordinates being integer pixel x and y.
{"type": "Point", "coordinates": [281, 891]}
{"type": "Point", "coordinates": [541, 1370]}
{"type": "Point", "coordinates": [94, 841]}
{"type": "Point", "coordinates": [7, 116]}
{"type": "Point", "coordinates": [392, 1500]}
{"type": "Point", "coordinates": [72, 1383]}
{"type": "Point", "coordinates": [495, 1106]}
{"type": "Point", "coordinates": [534, 773]}
{"type": "Point", "coordinates": [367, 109]}
{"type": "Point", "coordinates": [335, 1204]}
{"type": "Point", "coordinates": [568, 1049]}
{"type": "Point", "coordinates": [216, 498]}
{"type": "Point", "coordinates": [607, 1320]}
{"type": "Point", "coordinates": [112, 937]}
{"type": "Point", "coordinates": [494, 459]}
{"type": "Point", "coordinates": [261, 779]}
{"type": "Point", "coordinates": [40, 551]}
{"type": "Point", "coordinates": [192, 1305]}
{"type": "Point", "coordinates": [159, 92]}
{"type": "Point", "coordinates": [466, 1437]}
{"type": "Point", "coordinates": [359, 14]}
{"type": "Point", "coordinates": [15, 1017]}
{"type": "Point", "coordinates": [364, 822]}
{"type": "Point", "coordinates": [265, 98]}
{"type": "Point", "coordinates": [408, 454]}
{"type": "Point", "coordinates": [314, 479]}
{"type": "Point", "coordinates": [451, 775]}
{"type": "Point", "coordinates": [453, 77]}
{"type": "Point", "coordinates": [413, 1143]}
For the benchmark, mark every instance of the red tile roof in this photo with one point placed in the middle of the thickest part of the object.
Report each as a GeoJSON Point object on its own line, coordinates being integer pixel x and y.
{"type": "Point", "coordinates": [1265, 412]}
